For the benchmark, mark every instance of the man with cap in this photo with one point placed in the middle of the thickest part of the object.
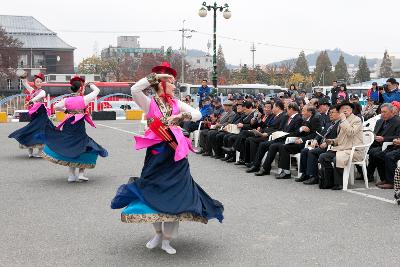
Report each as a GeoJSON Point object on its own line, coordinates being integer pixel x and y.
{"type": "Point", "coordinates": [323, 108]}
{"type": "Point", "coordinates": [349, 134]}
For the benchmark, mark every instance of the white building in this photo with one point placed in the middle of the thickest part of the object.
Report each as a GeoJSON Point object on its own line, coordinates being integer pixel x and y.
{"type": "Point", "coordinates": [200, 62]}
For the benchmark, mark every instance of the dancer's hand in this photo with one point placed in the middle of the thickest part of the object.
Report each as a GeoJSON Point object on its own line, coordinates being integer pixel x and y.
{"type": "Point", "coordinates": [174, 119]}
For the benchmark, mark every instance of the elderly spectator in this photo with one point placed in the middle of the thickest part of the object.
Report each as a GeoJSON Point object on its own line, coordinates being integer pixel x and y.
{"type": "Point", "coordinates": [256, 147]}
{"type": "Point", "coordinates": [308, 131]}
{"type": "Point", "coordinates": [392, 91]}
{"type": "Point", "coordinates": [386, 129]}
{"type": "Point", "coordinates": [309, 155]}
{"type": "Point", "coordinates": [291, 126]}
{"type": "Point", "coordinates": [218, 142]}
{"type": "Point", "coordinates": [350, 134]}
{"type": "Point", "coordinates": [369, 110]}
{"type": "Point", "coordinates": [210, 135]}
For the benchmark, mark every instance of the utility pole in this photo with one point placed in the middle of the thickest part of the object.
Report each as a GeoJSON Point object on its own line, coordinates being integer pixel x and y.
{"type": "Point", "coordinates": [183, 52]}
{"type": "Point", "coordinates": [253, 49]}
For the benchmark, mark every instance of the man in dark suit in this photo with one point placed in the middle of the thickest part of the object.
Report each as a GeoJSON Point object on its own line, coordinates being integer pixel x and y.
{"type": "Point", "coordinates": [308, 131]}
{"type": "Point", "coordinates": [291, 127]}
{"type": "Point", "coordinates": [258, 122]}
{"type": "Point", "coordinates": [244, 125]}
{"type": "Point", "coordinates": [386, 129]}
{"type": "Point", "coordinates": [323, 108]}
{"type": "Point", "coordinates": [309, 157]}
{"type": "Point", "coordinates": [256, 147]}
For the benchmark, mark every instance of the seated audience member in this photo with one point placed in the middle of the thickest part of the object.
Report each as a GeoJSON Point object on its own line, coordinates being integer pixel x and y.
{"type": "Point", "coordinates": [245, 125]}
{"type": "Point", "coordinates": [386, 129]}
{"type": "Point", "coordinates": [369, 110]}
{"type": "Point", "coordinates": [256, 147]}
{"type": "Point", "coordinates": [218, 142]}
{"type": "Point", "coordinates": [350, 134]}
{"type": "Point", "coordinates": [308, 131]}
{"type": "Point", "coordinates": [357, 107]}
{"type": "Point", "coordinates": [323, 108]}
{"type": "Point", "coordinates": [291, 126]}
{"type": "Point", "coordinates": [210, 135]}
{"type": "Point", "coordinates": [309, 156]}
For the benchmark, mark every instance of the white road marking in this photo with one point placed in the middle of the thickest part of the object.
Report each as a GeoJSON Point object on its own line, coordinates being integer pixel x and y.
{"type": "Point", "coordinates": [371, 196]}
{"type": "Point", "coordinates": [118, 129]}
{"type": "Point", "coordinates": [353, 191]}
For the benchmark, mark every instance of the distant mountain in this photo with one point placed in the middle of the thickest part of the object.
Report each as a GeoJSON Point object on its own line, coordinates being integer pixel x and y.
{"type": "Point", "coordinates": [334, 57]}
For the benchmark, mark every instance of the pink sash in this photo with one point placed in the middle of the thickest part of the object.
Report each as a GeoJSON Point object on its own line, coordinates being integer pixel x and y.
{"type": "Point", "coordinates": [77, 117]}
{"type": "Point", "coordinates": [35, 108]}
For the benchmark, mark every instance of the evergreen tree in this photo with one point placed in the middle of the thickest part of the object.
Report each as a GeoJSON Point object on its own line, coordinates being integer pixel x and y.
{"type": "Point", "coordinates": [323, 72]}
{"type": "Point", "coordinates": [244, 73]}
{"type": "Point", "coordinates": [222, 70]}
{"type": "Point", "coordinates": [341, 69]}
{"type": "Point", "coordinates": [386, 66]}
{"type": "Point", "coordinates": [363, 73]}
{"type": "Point", "coordinates": [301, 66]}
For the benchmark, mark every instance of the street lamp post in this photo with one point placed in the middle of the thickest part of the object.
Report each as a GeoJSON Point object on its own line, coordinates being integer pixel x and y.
{"type": "Point", "coordinates": [227, 15]}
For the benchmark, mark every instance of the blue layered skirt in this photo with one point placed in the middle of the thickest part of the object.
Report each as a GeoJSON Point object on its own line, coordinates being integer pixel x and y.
{"type": "Point", "coordinates": [165, 192]}
{"type": "Point", "coordinates": [72, 147]}
{"type": "Point", "coordinates": [30, 135]}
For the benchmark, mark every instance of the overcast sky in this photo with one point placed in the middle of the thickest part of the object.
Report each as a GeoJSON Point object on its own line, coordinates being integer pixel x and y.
{"type": "Point", "coordinates": [365, 27]}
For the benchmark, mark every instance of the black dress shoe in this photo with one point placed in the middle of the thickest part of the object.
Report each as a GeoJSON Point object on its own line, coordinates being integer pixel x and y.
{"type": "Point", "coordinates": [253, 169]}
{"type": "Point", "coordinates": [249, 165]}
{"type": "Point", "coordinates": [240, 162]}
{"type": "Point", "coordinates": [228, 149]}
{"type": "Point", "coordinates": [312, 180]}
{"type": "Point", "coordinates": [283, 175]}
{"type": "Point", "coordinates": [226, 158]}
{"type": "Point", "coordinates": [303, 178]}
{"type": "Point", "coordinates": [262, 172]}
{"type": "Point", "coordinates": [200, 151]}
{"type": "Point", "coordinates": [231, 160]}
{"type": "Point", "coordinates": [337, 187]}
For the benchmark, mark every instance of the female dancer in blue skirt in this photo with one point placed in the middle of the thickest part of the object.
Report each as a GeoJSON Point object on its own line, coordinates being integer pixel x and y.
{"type": "Point", "coordinates": [71, 146]}
{"type": "Point", "coordinates": [29, 135]}
{"type": "Point", "coordinates": [165, 193]}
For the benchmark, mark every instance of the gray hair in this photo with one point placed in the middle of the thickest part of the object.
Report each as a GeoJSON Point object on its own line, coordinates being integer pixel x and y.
{"type": "Point", "coordinates": [388, 105]}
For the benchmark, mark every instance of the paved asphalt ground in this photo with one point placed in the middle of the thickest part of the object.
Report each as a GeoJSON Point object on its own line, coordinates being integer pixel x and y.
{"type": "Point", "coordinates": [44, 221]}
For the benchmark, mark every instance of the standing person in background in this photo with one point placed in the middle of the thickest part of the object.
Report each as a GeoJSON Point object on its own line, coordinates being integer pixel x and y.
{"type": "Point", "coordinates": [293, 91]}
{"type": "Point", "coordinates": [342, 92]}
{"type": "Point", "coordinates": [334, 92]}
{"type": "Point", "coordinates": [373, 93]}
{"type": "Point", "coordinates": [392, 92]}
{"type": "Point", "coordinates": [203, 91]}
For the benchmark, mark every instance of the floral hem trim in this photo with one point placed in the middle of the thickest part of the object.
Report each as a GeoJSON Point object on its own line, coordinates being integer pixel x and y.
{"type": "Point", "coordinates": [161, 217]}
{"type": "Point", "coordinates": [67, 163]}
{"type": "Point", "coordinates": [32, 146]}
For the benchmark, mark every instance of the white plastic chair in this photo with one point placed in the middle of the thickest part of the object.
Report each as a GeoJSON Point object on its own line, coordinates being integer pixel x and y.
{"type": "Point", "coordinates": [297, 157]}
{"type": "Point", "coordinates": [348, 172]}
{"type": "Point", "coordinates": [369, 125]}
{"type": "Point", "coordinates": [196, 135]}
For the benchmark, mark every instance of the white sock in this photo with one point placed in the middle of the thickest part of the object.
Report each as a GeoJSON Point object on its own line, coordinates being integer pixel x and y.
{"type": "Point", "coordinates": [71, 174]}
{"type": "Point", "coordinates": [155, 241]}
{"type": "Point", "coordinates": [167, 247]}
{"type": "Point", "coordinates": [287, 171]}
{"type": "Point", "coordinates": [81, 176]}
{"type": "Point", "coordinates": [30, 152]}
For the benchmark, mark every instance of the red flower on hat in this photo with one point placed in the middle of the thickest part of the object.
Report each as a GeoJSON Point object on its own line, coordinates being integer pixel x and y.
{"type": "Point", "coordinates": [40, 76]}
{"type": "Point", "coordinates": [76, 78]}
{"type": "Point", "coordinates": [165, 67]}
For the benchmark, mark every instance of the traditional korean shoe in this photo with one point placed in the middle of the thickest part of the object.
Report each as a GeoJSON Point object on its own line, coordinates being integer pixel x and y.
{"type": "Point", "coordinates": [154, 242]}
{"type": "Point", "coordinates": [167, 247]}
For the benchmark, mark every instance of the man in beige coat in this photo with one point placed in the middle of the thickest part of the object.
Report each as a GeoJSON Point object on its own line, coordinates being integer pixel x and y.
{"type": "Point", "coordinates": [349, 135]}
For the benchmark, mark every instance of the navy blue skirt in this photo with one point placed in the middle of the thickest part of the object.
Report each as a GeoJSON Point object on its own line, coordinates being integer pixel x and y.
{"type": "Point", "coordinates": [30, 135]}
{"type": "Point", "coordinates": [71, 146]}
{"type": "Point", "coordinates": [165, 191]}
